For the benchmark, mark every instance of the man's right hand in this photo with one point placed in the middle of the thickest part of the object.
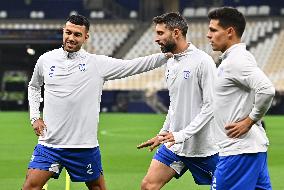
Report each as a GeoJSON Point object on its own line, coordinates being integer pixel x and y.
{"type": "Point", "coordinates": [39, 127]}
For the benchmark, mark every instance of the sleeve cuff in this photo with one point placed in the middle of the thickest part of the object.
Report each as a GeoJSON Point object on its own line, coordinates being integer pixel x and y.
{"type": "Point", "coordinates": [179, 137]}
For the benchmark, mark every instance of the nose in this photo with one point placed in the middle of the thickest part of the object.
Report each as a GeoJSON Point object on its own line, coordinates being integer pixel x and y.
{"type": "Point", "coordinates": [71, 37]}
{"type": "Point", "coordinates": [208, 35]}
{"type": "Point", "coordinates": [157, 40]}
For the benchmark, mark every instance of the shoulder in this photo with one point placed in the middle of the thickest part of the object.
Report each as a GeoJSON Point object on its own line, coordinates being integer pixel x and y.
{"type": "Point", "coordinates": [205, 60]}
{"type": "Point", "coordinates": [241, 58]}
{"type": "Point", "coordinates": [51, 54]}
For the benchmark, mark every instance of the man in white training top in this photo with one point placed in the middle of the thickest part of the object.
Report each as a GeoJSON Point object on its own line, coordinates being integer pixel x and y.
{"type": "Point", "coordinates": [243, 94]}
{"type": "Point", "coordinates": [187, 131]}
{"type": "Point", "coordinates": [73, 80]}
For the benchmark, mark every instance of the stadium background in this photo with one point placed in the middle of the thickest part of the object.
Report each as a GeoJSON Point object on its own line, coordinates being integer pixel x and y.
{"type": "Point", "coordinates": [122, 29]}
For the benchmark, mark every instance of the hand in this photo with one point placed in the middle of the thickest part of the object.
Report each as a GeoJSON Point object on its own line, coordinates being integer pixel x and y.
{"type": "Point", "coordinates": [167, 137]}
{"type": "Point", "coordinates": [39, 127]}
{"type": "Point", "coordinates": [237, 129]}
{"type": "Point", "coordinates": [153, 143]}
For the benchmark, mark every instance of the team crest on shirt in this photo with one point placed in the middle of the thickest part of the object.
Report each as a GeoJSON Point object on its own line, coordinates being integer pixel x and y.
{"type": "Point", "coordinates": [186, 74]}
{"type": "Point", "coordinates": [82, 67]}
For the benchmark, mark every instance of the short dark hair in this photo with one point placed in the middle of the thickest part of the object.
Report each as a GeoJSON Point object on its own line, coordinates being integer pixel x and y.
{"type": "Point", "coordinates": [172, 20]}
{"type": "Point", "coordinates": [229, 17]}
{"type": "Point", "coordinates": [79, 20]}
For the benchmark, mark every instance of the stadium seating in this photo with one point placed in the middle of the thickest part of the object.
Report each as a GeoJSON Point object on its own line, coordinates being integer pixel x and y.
{"type": "Point", "coordinates": [106, 38]}
{"type": "Point", "coordinates": [260, 36]}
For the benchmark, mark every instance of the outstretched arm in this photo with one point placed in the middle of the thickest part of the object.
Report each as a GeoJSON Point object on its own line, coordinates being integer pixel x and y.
{"type": "Point", "coordinates": [111, 68]}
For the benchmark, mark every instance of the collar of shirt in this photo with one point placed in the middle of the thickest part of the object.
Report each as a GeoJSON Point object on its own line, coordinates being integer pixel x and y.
{"type": "Point", "coordinates": [73, 55]}
{"type": "Point", "coordinates": [226, 53]}
{"type": "Point", "coordinates": [190, 48]}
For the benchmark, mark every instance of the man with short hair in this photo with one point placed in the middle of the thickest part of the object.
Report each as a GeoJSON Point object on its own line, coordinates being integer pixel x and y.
{"type": "Point", "coordinates": [73, 80]}
{"type": "Point", "coordinates": [187, 138]}
{"type": "Point", "coordinates": [243, 94]}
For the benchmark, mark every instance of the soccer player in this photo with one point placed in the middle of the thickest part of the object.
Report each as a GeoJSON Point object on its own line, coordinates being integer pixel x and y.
{"type": "Point", "coordinates": [187, 130]}
{"type": "Point", "coordinates": [243, 94]}
{"type": "Point", "coordinates": [73, 80]}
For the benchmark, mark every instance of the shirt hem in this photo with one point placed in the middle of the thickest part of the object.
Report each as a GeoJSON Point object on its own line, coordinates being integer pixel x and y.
{"type": "Point", "coordinates": [69, 146]}
{"type": "Point", "coordinates": [232, 153]}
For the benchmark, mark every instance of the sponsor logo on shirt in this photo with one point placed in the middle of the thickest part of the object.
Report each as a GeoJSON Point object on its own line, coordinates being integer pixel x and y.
{"type": "Point", "coordinates": [82, 67]}
{"type": "Point", "coordinates": [186, 74]}
{"type": "Point", "coordinates": [51, 72]}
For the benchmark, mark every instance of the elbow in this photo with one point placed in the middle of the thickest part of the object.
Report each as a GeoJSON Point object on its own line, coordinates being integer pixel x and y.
{"type": "Point", "coordinates": [271, 91]}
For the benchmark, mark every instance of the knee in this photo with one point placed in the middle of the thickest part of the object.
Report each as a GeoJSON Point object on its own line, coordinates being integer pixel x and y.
{"type": "Point", "coordinates": [31, 186]}
{"type": "Point", "coordinates": [148, 185]}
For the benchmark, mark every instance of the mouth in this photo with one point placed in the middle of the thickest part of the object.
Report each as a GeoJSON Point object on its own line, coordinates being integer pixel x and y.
{"type": "Point", "coordinates": [70, 44]}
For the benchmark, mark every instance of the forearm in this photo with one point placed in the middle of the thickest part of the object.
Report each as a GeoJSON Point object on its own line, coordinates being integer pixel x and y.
{"type": "Point", "coordinates": [117, 68]}
{"type": "Point", "coordinates": [34, 96]}
{"type": "Point", "coordinates": [263, 101]}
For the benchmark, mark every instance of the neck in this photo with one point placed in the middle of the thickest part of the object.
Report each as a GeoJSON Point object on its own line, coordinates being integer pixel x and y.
{"type": "Point", "coordinates": [231, 43]}
{"type": "Point", "coordinates": [181, 47]}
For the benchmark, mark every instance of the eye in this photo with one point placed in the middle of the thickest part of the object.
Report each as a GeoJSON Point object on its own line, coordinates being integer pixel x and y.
{"type": "Point", "coordinates": [78, 34]}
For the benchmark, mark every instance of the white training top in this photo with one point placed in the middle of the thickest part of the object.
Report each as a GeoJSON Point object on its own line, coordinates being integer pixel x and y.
{"type": "Point", "coordinates": [190, 77]}
{"type": "Point", "coordinates": [73, 85]}
{"type": "Point", "coordinates": [242, 90]}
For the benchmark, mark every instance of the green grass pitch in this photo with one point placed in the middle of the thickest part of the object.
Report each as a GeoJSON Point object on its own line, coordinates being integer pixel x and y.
{"type": "Point", "coordinates": [124, 166]}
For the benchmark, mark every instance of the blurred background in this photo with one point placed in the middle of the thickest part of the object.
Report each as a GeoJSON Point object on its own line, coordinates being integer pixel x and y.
{"type": "Point", "coordinates": [123, 29]}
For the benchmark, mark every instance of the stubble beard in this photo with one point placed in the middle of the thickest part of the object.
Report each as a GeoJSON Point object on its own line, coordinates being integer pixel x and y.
{"type": "Point", "coordinates": [168, 47]}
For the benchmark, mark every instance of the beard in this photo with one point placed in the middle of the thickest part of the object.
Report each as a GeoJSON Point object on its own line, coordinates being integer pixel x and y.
{"type": "Point", "coordinates": [168, 47]}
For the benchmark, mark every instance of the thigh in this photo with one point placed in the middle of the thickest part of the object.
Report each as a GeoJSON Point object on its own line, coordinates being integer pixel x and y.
{"type": "Point", "coordinates": [237, 172]}
{"type": "Point", "coordinates": [201, 168]}
{"type": "Point", "coordinates": [36, 178]}
{"type": "Point", "coordinates": [98, 184]}
{"type": "Point", "coordinates": [45, 159]}
{"type": "Point", "coordinates": [170, 160]}
{"type": "Point", "coordinates": [158, 174]}
{"type": "Point", "coordinates": [263, 181]}
{"type": "Point", "coordinates": [82, 164]}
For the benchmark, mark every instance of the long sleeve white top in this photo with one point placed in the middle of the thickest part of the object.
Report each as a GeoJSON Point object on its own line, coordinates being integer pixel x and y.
{"type": "Point", "coordinates": [190, 77]}
{"type": "Point", "coordinates": [242, 90]}
{"type": "Point", "coordinates": [73, 85]}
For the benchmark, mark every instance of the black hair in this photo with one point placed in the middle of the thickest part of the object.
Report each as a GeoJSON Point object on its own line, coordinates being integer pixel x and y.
{"type": "Point", "coordinates": [172, 20]}
{"type": "Point", "coordinates": [79, 20]}
{"type": "Point", "coordinates": [229, 17]}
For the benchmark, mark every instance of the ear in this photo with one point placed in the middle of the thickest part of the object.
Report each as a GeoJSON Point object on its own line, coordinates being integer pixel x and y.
{"type": "Point", "coordinates": [87, 36]}
{"type": "Point", "coordinates": [176, 32]}
{"type": "Point", "coordinates": [231, 31]}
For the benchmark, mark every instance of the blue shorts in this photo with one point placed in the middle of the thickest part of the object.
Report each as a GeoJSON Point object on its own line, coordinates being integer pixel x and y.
{"type": "Point", "coordinates": [82, 164]}
{"type": "Point", "coordinates": [245, 172]}
{"type": "Point", "coordinates": [201, 168]}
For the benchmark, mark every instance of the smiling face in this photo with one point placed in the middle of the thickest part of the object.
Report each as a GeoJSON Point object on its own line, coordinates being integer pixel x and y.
{"type": "Point", "coordinates": [218, 36]}
{"type": "Point", "coordinates": [74, 36]}
{"type": "Point", "coordinates": [164, 37]}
